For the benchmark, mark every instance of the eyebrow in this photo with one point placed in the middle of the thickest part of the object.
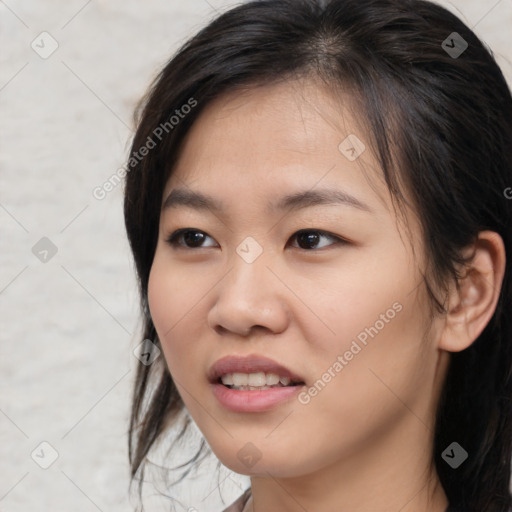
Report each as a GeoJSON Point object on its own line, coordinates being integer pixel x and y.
{"type": "Point", "coordinates": [296, 201]}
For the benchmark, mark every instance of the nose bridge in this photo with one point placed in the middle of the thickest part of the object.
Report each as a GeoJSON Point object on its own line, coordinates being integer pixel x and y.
{"type": "Point", "coordinates": [250, 294]}
{"type": "Point", "coordinates": [249, 277]}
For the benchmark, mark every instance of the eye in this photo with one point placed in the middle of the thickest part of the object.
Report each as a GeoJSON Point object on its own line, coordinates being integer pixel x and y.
{"type": "Point", "coordinates": [193, 238]}
{"type": "Point", "coordinates": [310, 237]}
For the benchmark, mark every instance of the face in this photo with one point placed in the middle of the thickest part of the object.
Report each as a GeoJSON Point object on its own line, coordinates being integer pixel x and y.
{"type": "Point", "coordinates": [330, 290]}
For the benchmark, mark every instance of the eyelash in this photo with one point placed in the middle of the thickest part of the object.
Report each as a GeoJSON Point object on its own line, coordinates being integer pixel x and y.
{"type": "Point", "coordinates": [173, 238]}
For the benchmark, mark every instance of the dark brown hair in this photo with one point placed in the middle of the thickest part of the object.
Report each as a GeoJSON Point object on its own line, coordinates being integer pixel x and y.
{"type": "Point", "coordinates": [450, 120]}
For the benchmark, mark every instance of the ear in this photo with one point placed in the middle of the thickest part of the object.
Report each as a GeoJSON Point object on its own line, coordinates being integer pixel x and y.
{"type": "Point", "coordinates": [472, 306]}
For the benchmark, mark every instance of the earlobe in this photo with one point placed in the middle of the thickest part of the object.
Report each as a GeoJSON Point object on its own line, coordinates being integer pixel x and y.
{"type": "Point", "coordinates": [472, 305]}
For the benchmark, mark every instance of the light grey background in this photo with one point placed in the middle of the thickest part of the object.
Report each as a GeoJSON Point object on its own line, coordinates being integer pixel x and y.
{"type": "Point", "coordinates": [69, 325]}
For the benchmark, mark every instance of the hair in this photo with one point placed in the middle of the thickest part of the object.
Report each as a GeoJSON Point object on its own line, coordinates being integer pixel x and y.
{"type": "Point", "coordinates": [441, 129]}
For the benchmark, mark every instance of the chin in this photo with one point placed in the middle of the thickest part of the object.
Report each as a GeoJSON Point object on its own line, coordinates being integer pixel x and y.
{"type": "Point", "coordinates": [280, 467]}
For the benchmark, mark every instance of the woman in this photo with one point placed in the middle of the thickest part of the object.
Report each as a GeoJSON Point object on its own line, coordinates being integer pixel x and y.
{"type": "Point", "coordinates": [320, 227]}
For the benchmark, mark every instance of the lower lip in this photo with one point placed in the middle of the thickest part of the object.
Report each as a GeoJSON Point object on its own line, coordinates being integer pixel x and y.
{"type": "Point", "coordinates": [253, 401]}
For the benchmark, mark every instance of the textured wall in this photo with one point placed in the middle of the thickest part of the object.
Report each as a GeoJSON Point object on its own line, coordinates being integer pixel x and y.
{"type": "Point", "coordinates": [69, 322]}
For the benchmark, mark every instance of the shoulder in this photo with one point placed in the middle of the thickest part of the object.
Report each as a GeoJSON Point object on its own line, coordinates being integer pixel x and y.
{"type": "Point", "coordinates": [238, 505]}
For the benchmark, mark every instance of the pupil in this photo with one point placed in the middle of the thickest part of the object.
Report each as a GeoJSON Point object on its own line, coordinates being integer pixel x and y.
{"type": "Point", "coordinates": [312, 239]}
{"type": "Point", "coordinates": [189, 237]}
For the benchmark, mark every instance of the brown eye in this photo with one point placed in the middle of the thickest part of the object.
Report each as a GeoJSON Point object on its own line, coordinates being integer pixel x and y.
{"type": "Point", "coordinates": [308, 238]}
{"type": "Point", "coordinates": [192, 238]}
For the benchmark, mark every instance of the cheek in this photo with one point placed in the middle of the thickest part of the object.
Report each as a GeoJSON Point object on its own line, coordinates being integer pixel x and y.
{"type": "Point", "coordinates": [377, 322]}
{"type": "Point", "coordinates": [165, 298]}
{"type": "Point", "coordinates": [170, 295]}
{"type": "Point", "coordinates": [384, 363]}
{"type": "Point", "coordinates": [369, 301]}
{"type": "Point", "coordinates": [160, 297]}
{"type": "Point", "coordinates": [177, 314]}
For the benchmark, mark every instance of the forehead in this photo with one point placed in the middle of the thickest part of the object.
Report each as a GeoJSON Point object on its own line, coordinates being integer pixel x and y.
{"type": "Point", "coordinates": [260, 142]}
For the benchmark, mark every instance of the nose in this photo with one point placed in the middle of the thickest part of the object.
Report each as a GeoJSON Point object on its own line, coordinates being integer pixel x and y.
{"type": "Point", "coordinates": [249, 298]}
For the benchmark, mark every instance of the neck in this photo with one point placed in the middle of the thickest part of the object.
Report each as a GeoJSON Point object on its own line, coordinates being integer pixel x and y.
{"type": "Point", "coordinates": [429, 498]}
{"type": "Point", "coordinates": [388, 476]}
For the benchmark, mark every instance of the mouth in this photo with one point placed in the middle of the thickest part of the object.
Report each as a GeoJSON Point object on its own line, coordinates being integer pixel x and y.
{"type": "Point", "coordinates": [254, 371]}
{"type": "Point", "coordinates": [252, 384]}
{"type": "Point", "coordinates": [257, 381]}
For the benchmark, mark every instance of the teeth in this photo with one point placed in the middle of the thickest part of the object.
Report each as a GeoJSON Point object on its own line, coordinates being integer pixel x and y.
{"type": "Point", "coordinates": [284, 381]}
{"type": "Point", "coordinates": [227, 379]}
{"type": "Point", "coordinates": [272, 379]}
{"type": "Point", "coordinates": [258, 380]}
{"type": "Point", "coordinates": [240, 379]}
{"type": "Point", "coordinates": [251, 388]}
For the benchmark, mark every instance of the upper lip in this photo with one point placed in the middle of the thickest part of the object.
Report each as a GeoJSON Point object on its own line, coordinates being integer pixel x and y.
{"type": "Point", "coordinates": [249, 364]}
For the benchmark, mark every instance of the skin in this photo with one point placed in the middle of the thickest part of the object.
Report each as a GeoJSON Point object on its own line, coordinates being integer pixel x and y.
{"type": "Point", "coordinates": [364, 443]}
